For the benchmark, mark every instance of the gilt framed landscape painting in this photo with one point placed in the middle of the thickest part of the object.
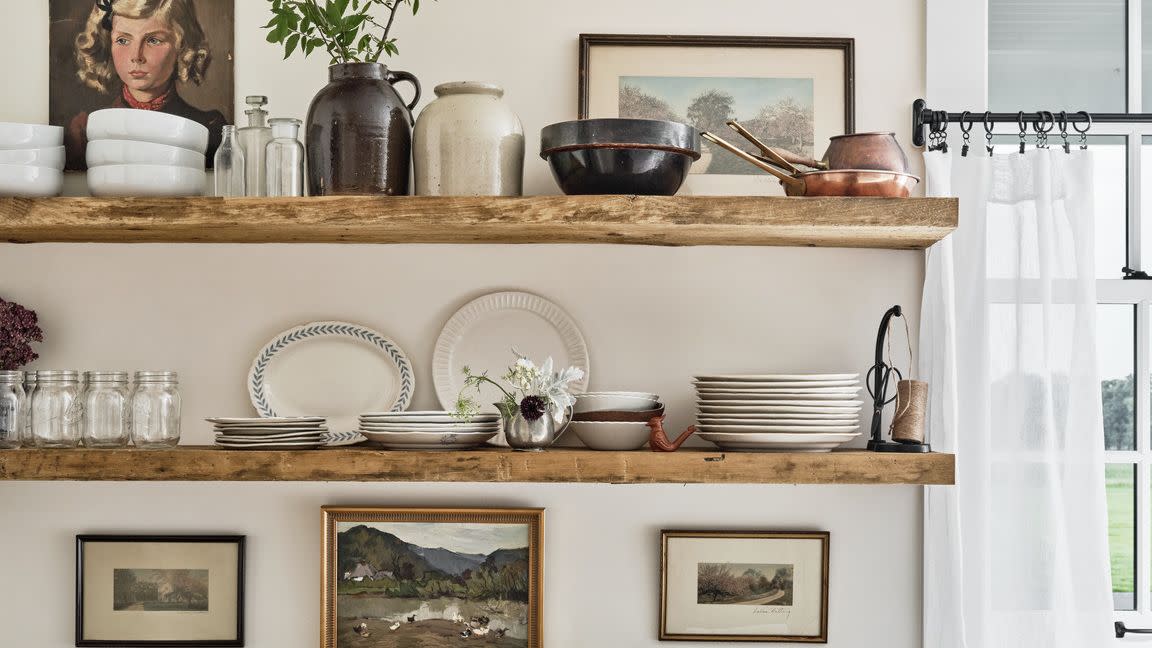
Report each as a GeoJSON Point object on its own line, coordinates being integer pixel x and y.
{"type": "Point", "coordinates": [744, 586]}
{"type": "Point", "coordinates": [432, 577]}
{"type": "Point", "coordinates": [156, 591]}
{"type": "Point", "coordinates": [792, 93]}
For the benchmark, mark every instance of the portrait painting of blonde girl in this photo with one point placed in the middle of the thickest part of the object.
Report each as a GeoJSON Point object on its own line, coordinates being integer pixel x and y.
{"type": "Point", "coordinates": [171, 56]}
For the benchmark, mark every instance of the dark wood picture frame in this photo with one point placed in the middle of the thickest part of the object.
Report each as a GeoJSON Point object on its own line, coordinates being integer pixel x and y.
{"type": "Point", "coordinates": [822, 536]}
{"type": "Point", "coordinates": [238, 540]}
{"type": "Point", "coordinates": [331, 516]}
{"type": "Point", "coordinates": [846, 45]}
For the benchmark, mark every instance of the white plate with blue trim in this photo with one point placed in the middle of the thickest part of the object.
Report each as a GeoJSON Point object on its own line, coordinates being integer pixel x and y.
{"type": "Point", "coordinates": [332, 369]}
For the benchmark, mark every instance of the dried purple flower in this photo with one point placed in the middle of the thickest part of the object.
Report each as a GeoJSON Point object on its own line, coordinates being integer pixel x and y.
{"type": "Point", "coordinates": [533, 407]}
{"type": "Point", "coordinates": [18, 330]}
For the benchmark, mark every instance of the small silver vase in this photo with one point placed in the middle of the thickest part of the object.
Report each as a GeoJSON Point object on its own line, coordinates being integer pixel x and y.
{"type": "Point", "coordinates": [531, 436]}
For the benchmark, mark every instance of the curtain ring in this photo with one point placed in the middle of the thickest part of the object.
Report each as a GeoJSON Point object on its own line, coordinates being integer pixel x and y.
{"type": "Point", "coordinates": [965, 116]}
{"type": "Point", "coordinates": [988, 124]}
{"type": "Point", "coordinates": [1046, 118]}
{"type": "Point", "coordinates": [1063, 122]}
{"type": "Point", "coordinates": [1020, 122]}
{"type": "Point", "coordinates": [1088, 118]}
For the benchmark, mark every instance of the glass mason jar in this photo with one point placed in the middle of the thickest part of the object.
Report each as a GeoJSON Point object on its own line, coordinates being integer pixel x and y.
{"type": "Point", "coordinates": [13, 404]}
{"type": "Point", "coordinates": [57, 413]}
{"type": "Point", "coordinates": [105, 402]}
{"type": "Point", "coordinates": [29, 386]}
{"type": "Point", "coordinates": [156, 409]}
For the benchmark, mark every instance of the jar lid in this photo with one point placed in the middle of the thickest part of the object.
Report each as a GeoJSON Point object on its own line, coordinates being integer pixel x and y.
{"type": "Point", "coordinates": [156, 376]}
{"type": "Point", "coordinates": [57, 375]}
{"type": "Point", "coordinates": [11, 376]}
{"type": "Point", "coordinates": [106, 376]}
{"type": "Point", "coordinates": [468, 87]}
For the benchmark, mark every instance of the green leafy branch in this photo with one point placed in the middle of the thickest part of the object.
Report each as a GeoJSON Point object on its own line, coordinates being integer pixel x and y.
{"type": "Point", "coordinates": [346, 29]}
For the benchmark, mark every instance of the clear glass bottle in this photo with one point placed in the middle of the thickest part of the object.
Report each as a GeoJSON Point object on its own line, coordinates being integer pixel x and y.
{"type": "Point", "coordinates": [254, 140]}
{"type": "Point", "coordinates": [105, 402]}
{"type": "Point", "coordinates": [29, 387]}
{"type": "Point", "coordinates": [57, 413]}
{"type": "Point", "coordinates": [284, 159]}
{"type": "Point", "coordinates": [156, 410]}
{"type": "Point", "coordinates": [228, 166]}
{"type": "Point", "coordinates": [13, 403]}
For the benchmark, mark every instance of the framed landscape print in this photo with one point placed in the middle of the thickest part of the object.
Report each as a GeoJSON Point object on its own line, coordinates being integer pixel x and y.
{"type": "Point", "coordinates": [744, 586]}
{"type": "Point", "coordinates": [432, 577]}
{"type": "Point", "coordinates": [159, 590]}
{"type": "Point", "coordinates": [792, 93]}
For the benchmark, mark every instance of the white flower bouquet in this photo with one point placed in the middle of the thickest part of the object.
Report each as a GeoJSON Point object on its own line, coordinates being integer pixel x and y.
{"type": "Point", "coordinates": [533, 391]}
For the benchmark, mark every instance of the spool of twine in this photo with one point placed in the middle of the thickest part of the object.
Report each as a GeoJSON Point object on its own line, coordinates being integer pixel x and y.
{"type": "Point", "coordinates": [911, 407]}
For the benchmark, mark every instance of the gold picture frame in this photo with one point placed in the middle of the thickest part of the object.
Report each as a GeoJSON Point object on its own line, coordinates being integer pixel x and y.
{"type": "Point", "coordinates": [712, 582]}
{"type": "Point", "coordinates": [462, 571]}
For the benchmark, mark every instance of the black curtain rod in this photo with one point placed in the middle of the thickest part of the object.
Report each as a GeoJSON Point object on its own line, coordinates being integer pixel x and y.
{"type": "Point", "coordinates": [923, 117]}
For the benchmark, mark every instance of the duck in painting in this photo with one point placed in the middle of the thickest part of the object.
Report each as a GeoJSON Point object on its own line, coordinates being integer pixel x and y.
{"type": "Point", "coordinates": [139, 51]}
{"type": "Point", "coordinates": [412, 619]}
{"type": "Point", "coordinates": [362, 629]}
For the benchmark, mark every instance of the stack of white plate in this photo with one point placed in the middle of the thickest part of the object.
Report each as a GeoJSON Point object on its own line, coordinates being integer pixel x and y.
{"type": "Point", "coordinates": [145, 153]}
{"type": "Point", "coordinates": [294, 433]}
{"type": "Point", "coordinates": [428, 430]}
{"type": "Point", "coordinates": [779, 412]}
{"type": "Point", "coordinates": [31, 160]}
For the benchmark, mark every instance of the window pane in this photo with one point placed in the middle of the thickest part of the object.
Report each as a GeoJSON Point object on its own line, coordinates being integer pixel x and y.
{"type": "Point", "coordinates": [1116, 351]}
{"type": "Point", "coordinates": [1146, 55]}
{"type": "Point", "coordinates": [1056, 55]}
{"type": "Point", "coordinates": [1120, 485]}
{"type": "Point", "coordinates": [1110, 178]}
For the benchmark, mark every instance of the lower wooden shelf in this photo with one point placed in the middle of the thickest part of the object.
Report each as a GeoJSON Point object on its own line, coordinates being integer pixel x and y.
{"type": "Point", "coordinates": [205, 463]}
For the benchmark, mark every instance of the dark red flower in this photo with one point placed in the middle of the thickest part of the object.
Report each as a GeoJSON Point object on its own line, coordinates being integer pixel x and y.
{"type": "Point", "coordinates": [18, 330]}
{"type": "Point", "coordinates": [532, 407]}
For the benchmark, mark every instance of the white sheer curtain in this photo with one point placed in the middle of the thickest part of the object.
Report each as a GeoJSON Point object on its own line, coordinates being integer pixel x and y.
{"type": "Point", "coordinates": [1015, 555]}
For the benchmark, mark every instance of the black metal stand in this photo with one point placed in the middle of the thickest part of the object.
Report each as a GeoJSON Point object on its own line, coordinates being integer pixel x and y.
{"type": "Point", "coordinates": [879, 374]}
{"type": "Point", "coordinates": [922, 116]}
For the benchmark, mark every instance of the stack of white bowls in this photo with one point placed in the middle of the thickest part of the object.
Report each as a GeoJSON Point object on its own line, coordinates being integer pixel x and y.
{"type": "Point", "coordinates": [31, 160]}
{"type": "Point", "coordinates": [145, 153]}
{"type": "Point", "coordinates": [615, 420]}
{"type": "Point", "coordinates": [779, 412]}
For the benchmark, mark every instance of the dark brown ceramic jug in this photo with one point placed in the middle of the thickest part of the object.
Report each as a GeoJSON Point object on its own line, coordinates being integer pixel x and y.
{"type": "Point", "coordinates": [359, 132]}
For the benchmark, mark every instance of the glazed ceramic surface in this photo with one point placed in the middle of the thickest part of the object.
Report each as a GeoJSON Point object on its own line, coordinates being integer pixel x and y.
{"type": "Point", "coordinates": [145, 180]}
{"type": "Point", "coordinates": [612, 435]}
{"type": "Point", "coordinates": [621, 401]}
{"type": "Point", "coordinates": [52, 157]}
{"type": "Point", "coordinates": [359, 132]}
{"type": "Point", "coordinates": [30, 181]}
{"type": "Point", "coordinates": [30, 136]}
{"type": "Point", "coordinates": [147, 126]}
{"type": "Point", "coordinates": [106, 152]}
{"type": "Point", "coordinates": [468, 142]}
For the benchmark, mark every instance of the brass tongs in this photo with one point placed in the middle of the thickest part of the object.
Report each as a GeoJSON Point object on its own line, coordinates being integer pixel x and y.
{"type": "Point", "coordinates": [768, 154]}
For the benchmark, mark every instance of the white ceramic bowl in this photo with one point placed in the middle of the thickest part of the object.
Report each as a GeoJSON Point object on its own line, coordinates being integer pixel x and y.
{"type": "Point", "coordinates": [146, 180]}
{"type": "Point", "coordinates": [617, 401]}
{"type": "Point", "coordinates": [109, 152]}
{"type": "Point", "coordinates": [52, 157]}
{"type": "Point", "coordinates": [24, 181]}
{"type": "Point", "coordinates": [147, 126]}
{"type": "Point", "coordinates": [29, 136]}
{"type": "Point", "coordinates": [612, 436]}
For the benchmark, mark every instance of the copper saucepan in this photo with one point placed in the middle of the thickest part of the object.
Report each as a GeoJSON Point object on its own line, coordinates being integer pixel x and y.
{"type": "Point", "coordinates": [859, 151]}
{"type": "Point", "coordinates": [841, 182]}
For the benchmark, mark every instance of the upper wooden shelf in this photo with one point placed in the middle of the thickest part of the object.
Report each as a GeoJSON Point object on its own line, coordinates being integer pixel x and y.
{"type": "Point", "coordinates": [909, 223]}
{"type": "Point", "coordinates": [198, 463]}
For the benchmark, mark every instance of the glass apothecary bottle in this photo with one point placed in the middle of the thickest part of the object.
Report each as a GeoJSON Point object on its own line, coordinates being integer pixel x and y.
{"type": "Point", "coordinates": [156, 410]}
{"type": "Point", "coordinates": [13, 403]}
{"type": "Point", "coordinates": [57, 414]}
{"type": "Point", "coordinates": [228, 166]}
{"type": "Point", "coordinates": [254, 140]}
{"type": "Point", "coordinates": [105, 401]}
{"type": "Point", "coordinates": [284, 159]}
{"type": "Point", "coordinates": [29, 387]}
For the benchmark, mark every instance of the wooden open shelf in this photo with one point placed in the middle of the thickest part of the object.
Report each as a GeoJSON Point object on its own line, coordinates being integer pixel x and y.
{"type": "Point", "coordinates": [909, 223]}
{"type": "Point", "coordinates": [201, 463]}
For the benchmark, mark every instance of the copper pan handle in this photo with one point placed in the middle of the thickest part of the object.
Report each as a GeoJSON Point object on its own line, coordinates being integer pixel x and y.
{"type": "Point", "coordinates": [793, 158]}
{"type": "Point", "coordinates": [796, 183]}
{"type": "Point", "coordinates": [764, 148]}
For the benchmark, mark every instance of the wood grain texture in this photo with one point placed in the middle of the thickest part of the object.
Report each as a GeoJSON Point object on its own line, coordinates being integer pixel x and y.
{"type": "Point", "coordinates": [910, 223]}
{"type": "Point", "coordinates": [197, 463]}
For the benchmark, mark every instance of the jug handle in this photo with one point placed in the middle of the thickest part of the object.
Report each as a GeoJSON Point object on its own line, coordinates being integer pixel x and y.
{"type": "Point", "coordinates": [399, 75]}
{"type": "Point", "coordinates": [564, 429]}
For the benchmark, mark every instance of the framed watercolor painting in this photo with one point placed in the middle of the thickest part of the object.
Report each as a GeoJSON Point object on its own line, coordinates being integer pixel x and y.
{"type": "Point", "coordinates": [154, 591]}
{"type": "Point", "coordinates": [432, 577]}
{"type": "Point", "coordinates": [793, 93]}
{"type": "Point", "coordinates": [744, 586]}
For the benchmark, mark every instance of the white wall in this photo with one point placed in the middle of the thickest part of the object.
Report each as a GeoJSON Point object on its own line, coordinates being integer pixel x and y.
{"type": "Point", "coordinates": [652, 317]}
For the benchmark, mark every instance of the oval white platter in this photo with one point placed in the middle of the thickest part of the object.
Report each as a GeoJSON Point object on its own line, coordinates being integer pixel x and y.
{"type": "Point", "coordinates": [795, 429]}
{"type": "Point", "coordinates": [334, 369]}
{"type": "Point", "coordinates": [775, 377]}
{"type": "Point", "coordinates": [482, 334]}
{"type": "Point", "coordinates": [789, 396]}
{"type": "Point", "coordinates": [335, 439]}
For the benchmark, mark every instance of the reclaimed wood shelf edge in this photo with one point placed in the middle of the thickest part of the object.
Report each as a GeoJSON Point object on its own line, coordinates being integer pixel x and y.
{"type": "Point", "coordinates": [205, 463]}
{"type": "Point", "coordinates": [909, 223]}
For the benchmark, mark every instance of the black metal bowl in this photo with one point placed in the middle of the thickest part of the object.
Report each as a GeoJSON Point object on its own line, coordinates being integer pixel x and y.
{"type": "Point", "coordinates": [620, 156]}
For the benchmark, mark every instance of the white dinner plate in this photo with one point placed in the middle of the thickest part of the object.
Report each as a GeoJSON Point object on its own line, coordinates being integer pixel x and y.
{"type": "Point", "coordinates": [410, 427]}
{"type": "Point", "coordinates": [741, 428]}
{"type": "Point", "coordinates": [317, 439]}
{"type": "Point", "coordinates": [270, 446]}
{"type": "Point", "coordinates": [772, 410]}
{"type": "Point", "coordinates": [253, 431]}
{"type": "Point", "coordinates": [267, 422]}
{"type": "Point", "coordinates": [482, 334]}
{"type": "Point", "coordinates": [774, 442]}
{"type": "Point", "coordinates": [424, 441]}
{"type": "Point", "coordinates": [820, 385]}
{"type": "Point", "coordinates": [722, 419]}
{"type": "Point", "coordinates": [788, 402]}
{"type": "Point", "coordinates": [787, 396]}
{"type": "Point", "coordinates": [780, 437]}
{"type": "Point", "coordinates": [834, 419]}
{"type": "Point", "coordinates": [334, 369]}
{"type": "Point", "coordinates": [776, 377]}
{"type": "Point", "coordinates": [427, 418]}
